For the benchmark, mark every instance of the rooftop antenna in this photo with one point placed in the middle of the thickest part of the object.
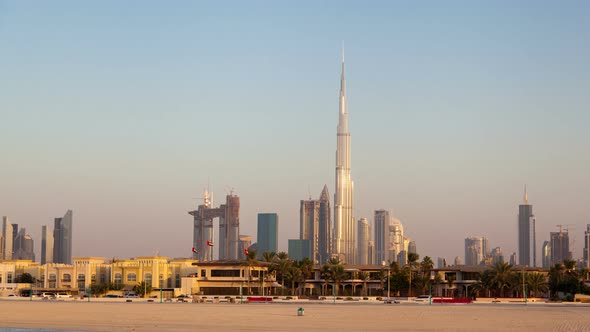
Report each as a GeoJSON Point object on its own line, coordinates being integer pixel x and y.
{"type": "Point", "coordinates": [309, 192]}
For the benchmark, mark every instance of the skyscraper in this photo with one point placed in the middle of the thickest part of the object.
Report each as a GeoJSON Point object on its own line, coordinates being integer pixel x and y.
{"type": "Point", "coordinates": [587, 246]}
{"type": "Point", "coordinates": [526, 233]}
{"type": "Point", "coordinates": [229, 228]}
{"type": "Point", "coordinates": [245, 243]}
{"type": "Point", "coordinates": [474, 250]}
{"type": "Point", "coordinates": [560, 247]}
{"type": "Point", "coordinates": [546, 252]}
{"type": "Point", "coordinates": [299, 249]}
{"type": "Point", "coordinates": [46, 246]}
{"type": "Point", "coordinates": [309, 226]}
{"type": "Point", "coordinates": [7, 236]}
{"type": "Point", "coordinates": [62, 239]}
{"type": "Point", "coordinates": [412, 247]}
{"type": "Point", "coordinates": [396, 242]}
{"type": "Point", "coordinates": [381, 235]}
{"type": "Point", "coordinates": [268, 232]}
{"type": "Point", "coordinates": [497, 255]}
{"type": "Point", "coordinates": [364, 235]}
{"type": "Point", "coordinates": [24, 247]}
{"type": "Point", "coordinates": [344, 239]}
{"type": "Point", "coordinates": [325, 227]}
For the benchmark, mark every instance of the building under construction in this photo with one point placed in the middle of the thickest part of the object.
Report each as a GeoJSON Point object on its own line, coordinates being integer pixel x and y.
{"type": "Point", "coordinates": [229, 228]}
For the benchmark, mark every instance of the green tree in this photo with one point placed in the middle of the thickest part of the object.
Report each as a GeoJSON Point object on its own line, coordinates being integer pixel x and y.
{"type": "Point", "coordinates": [412, 259]}
{"type": "Point", "coordinates": [306, 267]}
{"type": "Point", "coordinates": [501, 277]}
{"type": "Point", "coordinates": [250, 261]}
{"type": "Point", "coordinates": [142, 289]}
{"type": "Point", "coordinates": [333, 271]}
{"type": "Point", "coordinates": [536, 283]}
{"type": "Point", "coordinates": [24, 278]}
{"type": "Point", "coordinates": [98, 289]}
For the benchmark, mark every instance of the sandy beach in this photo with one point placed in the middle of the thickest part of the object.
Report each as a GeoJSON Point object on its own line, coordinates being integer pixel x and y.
{"type": "Point", "coordinates": [103, 316]}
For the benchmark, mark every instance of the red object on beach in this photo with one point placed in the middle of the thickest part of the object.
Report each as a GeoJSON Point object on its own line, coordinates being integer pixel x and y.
{"type": "Point", "coordinates": [194, 250]}
{"type": "Point", "coordinates": [451, 300]}
{"type": "Point", "coordinates": [210, 243]}
{"type": "Point", "coordinates": [246, 252]}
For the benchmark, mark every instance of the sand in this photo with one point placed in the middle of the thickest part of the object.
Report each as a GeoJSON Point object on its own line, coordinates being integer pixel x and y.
{"type": "Point", "coordinates": [103, 316]}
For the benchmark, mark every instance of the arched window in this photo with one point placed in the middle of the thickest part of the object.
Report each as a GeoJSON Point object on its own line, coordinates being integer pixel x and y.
{"type": "Point", "coordinates": [118, 278]}
{"type": "Point", "coordinates": [81, 277]}
{"type": "Point", "coordinates": [93, 278]}
{"type": "Point", "coordinates": [148, 278]}
{"type": "Point", "coordinates": [67, 277]}
{"type": "Point", "coordinates": [52, 277]}
{"type": "Point", "coordinates": [131, 277]}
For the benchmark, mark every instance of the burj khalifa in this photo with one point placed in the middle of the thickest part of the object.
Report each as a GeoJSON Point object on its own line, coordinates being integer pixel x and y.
{"type": "Point", "coordinates": [343, 218]}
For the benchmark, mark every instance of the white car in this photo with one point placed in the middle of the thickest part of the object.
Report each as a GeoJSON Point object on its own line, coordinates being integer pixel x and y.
{"type": "Point", "coordinates": [48, 296]}
{"type": "Point", "coordinates": [131, 296]}
{"type": "Point", "coordinates": [422, 298]}
{"type": "Point", "coordinates": [63, 296]}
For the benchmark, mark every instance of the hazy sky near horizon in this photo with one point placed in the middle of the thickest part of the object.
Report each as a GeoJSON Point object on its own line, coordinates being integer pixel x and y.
{"type": "Point", "coordinates": [123, 111]}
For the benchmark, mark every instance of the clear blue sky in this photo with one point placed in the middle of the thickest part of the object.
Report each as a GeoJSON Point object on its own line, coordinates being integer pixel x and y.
{"type": "Point", "coordinates": [122, 111]}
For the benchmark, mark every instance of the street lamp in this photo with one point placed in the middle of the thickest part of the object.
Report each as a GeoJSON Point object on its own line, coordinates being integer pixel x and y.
{"type": "Point", "coordinates": [431, 280]}
{"type": "Point", "coordinates": [388, 277]}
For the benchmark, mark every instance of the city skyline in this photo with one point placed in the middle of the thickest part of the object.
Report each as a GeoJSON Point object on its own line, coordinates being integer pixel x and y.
{"type": "Point", "coordinates": [127, 119]}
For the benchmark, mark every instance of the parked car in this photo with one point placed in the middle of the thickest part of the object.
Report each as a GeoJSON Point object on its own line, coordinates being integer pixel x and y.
{"type": "Point", "coordinates": [112, 296]}
{"type": "Point", "coordinates": [63, 296]}
{"type": "Point", "coordinates": [48, 296]}
{"type": "Point", "coordinates": [131, 296]}
{"type": "Point", "coordinates": [182, 298]}
{"type": "Point", "coordinates": [12, 295]}
{"type": "Point", "coordinates": [422, 298]}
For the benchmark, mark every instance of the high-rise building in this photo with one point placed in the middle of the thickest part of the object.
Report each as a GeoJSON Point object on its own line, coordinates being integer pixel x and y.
{"type": "Point", "coordinates": [560, 247]}
{"type": "Point", "coordinates": [587, 246]}
{"type": "Point", "coordinates": [458, 261]}
{"type": "Point", "coordinates": [546, 251]}
{"type": "Point", "coordinates": [381, 238]}
{"type": "Point", "coordinates": [229, 228]}
{"type": "Point", "coordinates": [371, 253]}
{"type": "Point", "coordinates": [24, 246]}
{"type": "Point", "coordinates": [527, 254]}
{"type": "Point", "coordinates": [325, 227]}
{"type": "Point", "coordinates": [396, 240]}
{"type": "Point", "coordinates": [496, 255]}
{"type": "Point", "coordinates": [62, 239]}
{"type": "Point", "coordinates": [245, 243]}
{"type": "Point", "coordinates": [412, 247]}
{"type": "Point", "coordinates": [474, 249]}
{"type": "Point", "coordinates": [363, 236]}
{"type": "Point", "coordinates": [513, 259]}
{"type": "Point", "coordinates": [299, 249]}
{"type": "Point", "coordinates": [309, 226]}
{"type": "Point", "coordinates": [268, 232]}
{"type": "Point", "coordinates": [441, 262]}
{"type": "Point", "coordinates": [344, 234]}
{"type": "Point", "coordinates": [14, 235]}
{"type": "Point", "coordinates": [314, 225]}
{"type": "Point", "coordinates": [7, 237]}
{"type": "Point", "coordinates": [46, 246]}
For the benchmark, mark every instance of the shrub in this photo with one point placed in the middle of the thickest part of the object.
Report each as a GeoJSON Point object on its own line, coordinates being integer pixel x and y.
{"type": "Point", "coordinates": [288, 298]}
{"type": "Point", "coordinates": [365, 298]}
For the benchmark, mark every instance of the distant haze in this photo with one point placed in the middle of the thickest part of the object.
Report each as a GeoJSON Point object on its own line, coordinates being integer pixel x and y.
{"type": "Point", "coordinates": [123, 112]}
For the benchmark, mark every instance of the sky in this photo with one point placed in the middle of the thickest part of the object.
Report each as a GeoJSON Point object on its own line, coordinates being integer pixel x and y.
{"type": "Point", "coordinates": [125, 111]}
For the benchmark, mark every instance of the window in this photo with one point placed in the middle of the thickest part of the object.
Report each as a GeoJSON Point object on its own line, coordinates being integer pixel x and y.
{"type": "Point", "coordinates": [118, 278]}
{"type": "Point", "coordinates": [0, 278]}
{"type": "Point", "coordinates": [52, 277]}
{"type": "Point", "coordinates": [131, 277]}
{"type": "Point", "coordinates": [103, 278]}
{"type": "Point", "coordinates": [203, 273]}
{"type": "Point", "coordinates": [148, 278]}
{"type": "Point", "coordinates": [93, 278]}
{"type": "Point", "coordinates": [177, 281]}
{"type": "Point", "coordinates": [67, 277]}
{"type": "Point", "coordinates": [9, 278]}
{"type": "Point", "coordinates": [81, 278]}
{"type": "Point", "coordinates": [225, 273]}
{"type": "Point", "coordinates": [161, 282]}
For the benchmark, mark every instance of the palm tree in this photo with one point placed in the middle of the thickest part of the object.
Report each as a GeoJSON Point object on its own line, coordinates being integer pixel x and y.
{"type": "Point", "coordinates": [501, 276]}
{"type": "Point", "coordinates": [536, 283]}
{"type": "Point", "coordinates": [333, 271]}
{"type": "Point", "coordinates": [283, 264]}
{"type": "Point", "coordinates": [364, 276]}
{"type": "Point", "coordinates": [250, 261]}
{"type": "Point", "coordinates": [294, 275]}
{"type": "Point", "coordinates": [412, 259]}
{"type": "Point", "coordinates": [306, 267]}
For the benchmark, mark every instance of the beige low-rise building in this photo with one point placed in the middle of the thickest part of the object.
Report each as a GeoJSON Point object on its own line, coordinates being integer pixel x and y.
{"type": "Point", "coordinates": [228, 278]}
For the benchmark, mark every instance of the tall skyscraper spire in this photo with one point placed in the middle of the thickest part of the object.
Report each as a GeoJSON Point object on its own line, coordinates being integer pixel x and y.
{"type": "Point", "coordinates": [344, 240]}
{"type": "Point", "coordinates": [526, 196]}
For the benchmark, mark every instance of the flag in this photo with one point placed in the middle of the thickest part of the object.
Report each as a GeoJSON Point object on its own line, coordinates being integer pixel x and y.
{"type": "Point", "coordinates": [210, 243]}
{"type": "Point", "coordinates": [194, 250]}
{"type": "Point", "coordinates": [246, 252]}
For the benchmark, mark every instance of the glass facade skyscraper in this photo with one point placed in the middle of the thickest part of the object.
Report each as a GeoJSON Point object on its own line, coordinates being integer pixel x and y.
{"type": "Point", "coordinates": [268, 232]}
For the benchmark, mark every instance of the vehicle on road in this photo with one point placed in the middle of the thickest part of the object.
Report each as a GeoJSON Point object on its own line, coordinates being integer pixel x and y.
{"type": "Point", "coordinates": [112, 296]}
{"type": "Point", "coordinates": [12, 295]}
{"type": "Point", "coordinates": [391, 301]}
{"type": "Point", "coordinates": [422, 298]}
{"type": "Point", "coordinates": [182, 298]}
{"type": "Point", "coordinates": [48, 296]}
{"type": "Point", "coordinates": [131, 296]}
{"type": "Point", "coordinates": [63, 296]}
